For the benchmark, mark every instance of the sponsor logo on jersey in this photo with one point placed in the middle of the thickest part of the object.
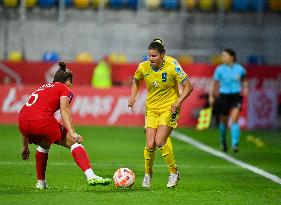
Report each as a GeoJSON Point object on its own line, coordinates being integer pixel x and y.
{"type": "Point", "coordinates": [178, 70]}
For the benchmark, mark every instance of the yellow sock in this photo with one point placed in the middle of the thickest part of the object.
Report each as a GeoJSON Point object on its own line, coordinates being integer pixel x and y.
{"type": "Point", "coordinates": [148, 160]}
{"type": "Point", "coordinates": [169, 142]}
{"type": "Point", "coordinates": [168, 156]}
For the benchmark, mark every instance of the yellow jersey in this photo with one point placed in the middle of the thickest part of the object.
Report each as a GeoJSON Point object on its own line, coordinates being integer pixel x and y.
{"type": "Point", "coordinates": [162, 84]}
{"type": "Point", "coordinates": [172, 60]}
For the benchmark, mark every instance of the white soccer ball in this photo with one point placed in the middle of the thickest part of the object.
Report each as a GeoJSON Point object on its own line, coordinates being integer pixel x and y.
{"type": "Point", "coordinates": [124, 177]}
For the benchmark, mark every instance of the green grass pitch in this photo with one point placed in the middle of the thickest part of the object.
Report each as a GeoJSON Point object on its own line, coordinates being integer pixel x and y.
{"type": "Point", "coordinates": [205, 179]}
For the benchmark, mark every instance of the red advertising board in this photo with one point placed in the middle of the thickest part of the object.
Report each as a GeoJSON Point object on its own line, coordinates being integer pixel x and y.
{"type": "Point", "coordinates": [96, 107]}
{"type": "Point", "coordinates": [109, 107]}
{"type": "Point", "coordinates": [200, 74]}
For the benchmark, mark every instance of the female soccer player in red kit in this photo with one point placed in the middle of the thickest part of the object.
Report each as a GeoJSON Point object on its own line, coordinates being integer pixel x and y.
{"type": "Point", "coordinates": [39, 126]}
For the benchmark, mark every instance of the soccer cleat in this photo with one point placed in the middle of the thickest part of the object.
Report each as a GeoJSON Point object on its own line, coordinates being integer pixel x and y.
{"type": "Point", "coordinates": [173, 179]}
{"type": "Point", "coordinates": [224, 147]}
{"type": "Point", "coordinates": [146, 182]}
{"type": "Point", "coordinates": [42, 186]}
{"type": "Point", "coordinates": [235, 148]}
{"type": "Point", "coordinates": [99, 181]}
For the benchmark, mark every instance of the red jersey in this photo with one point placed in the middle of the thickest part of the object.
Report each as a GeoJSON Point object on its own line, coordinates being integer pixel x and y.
{"type": "Point", "coordinates": [45, 101]}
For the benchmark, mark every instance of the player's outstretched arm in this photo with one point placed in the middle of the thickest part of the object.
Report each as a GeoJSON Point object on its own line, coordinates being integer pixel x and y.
{"type": "Point", "coordinates": [186, 91]}
{"type": "Point", "coordinates": [135, 89]}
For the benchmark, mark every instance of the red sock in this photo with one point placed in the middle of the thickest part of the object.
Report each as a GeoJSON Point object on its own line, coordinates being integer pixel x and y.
{"type": "Point", "coordinates": [41, 157]}
{"type": "Point", "coordinates": [80, 156]}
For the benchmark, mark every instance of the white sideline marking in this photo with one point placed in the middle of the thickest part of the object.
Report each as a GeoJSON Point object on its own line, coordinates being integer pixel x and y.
{"type": "Point", "coordinates": [226, 157]}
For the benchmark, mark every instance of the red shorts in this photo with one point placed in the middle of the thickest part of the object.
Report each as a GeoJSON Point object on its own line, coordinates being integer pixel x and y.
{"type": "Point", "coordinates": [48, 130]}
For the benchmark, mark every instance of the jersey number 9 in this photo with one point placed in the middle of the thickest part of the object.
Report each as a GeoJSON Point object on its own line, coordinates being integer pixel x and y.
{"type": "Point", "coordinates": [164, 77]}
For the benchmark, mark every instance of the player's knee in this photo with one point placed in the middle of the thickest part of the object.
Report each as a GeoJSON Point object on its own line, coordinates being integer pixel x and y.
{"type": "Point", "coordinates": [150, 145]}
{"type": "Point", "coordinates": [44, 145]}
{"type": "Point", "coordinates": [160, 143]}
{"type": "Point", "coordinates": [75, 145]}
{"type": "Point", "coordinates": [70, 142]}
{"type": "Point", "coordinates": [43, 150]}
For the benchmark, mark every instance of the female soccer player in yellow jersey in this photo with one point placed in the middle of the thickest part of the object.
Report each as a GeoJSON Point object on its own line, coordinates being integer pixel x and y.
{"type": "Point", "coordinates": [162, 106]}
{"type": "Point", "coordinates": [180, 87]}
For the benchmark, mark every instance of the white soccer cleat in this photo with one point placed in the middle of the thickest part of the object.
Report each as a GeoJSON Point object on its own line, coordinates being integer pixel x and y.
{"type": "Point", "coordinates": [146, 182]}
{"type": "Point", "coordinates": [173, 179]}
{"type": "Point", "coordinates": [42, 185]}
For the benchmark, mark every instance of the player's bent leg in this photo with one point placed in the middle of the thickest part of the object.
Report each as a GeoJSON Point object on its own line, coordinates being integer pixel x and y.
{"type": "Point", "coordinates": [223, 131]}
{"type": "Point", "coordinates": [235, 129]}
{"type": "Point", "coordinates": [81, 158]}
{"type": "Point", "coordinates": [163, 132]}
{"type": "Point", "coordinates": [41, 158]}
{"type": "Point", "coordinates": [169, 143]}
{"type": "Point", "coordinates": [149, 150]}
{"type": "Point", "coordinates": [149, 155]}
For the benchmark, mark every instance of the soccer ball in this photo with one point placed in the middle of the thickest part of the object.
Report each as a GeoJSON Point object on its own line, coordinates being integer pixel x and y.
{"type": "Point", "coordinates": [124, 177]}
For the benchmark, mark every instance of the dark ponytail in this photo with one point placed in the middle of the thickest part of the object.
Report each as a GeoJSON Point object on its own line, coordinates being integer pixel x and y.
{"type": "Point", "coordinates": [63, 74]}
{"type": "Point", "coordinates": [157, 44]}
{"type": "Point", "coordinates": [62, 65]}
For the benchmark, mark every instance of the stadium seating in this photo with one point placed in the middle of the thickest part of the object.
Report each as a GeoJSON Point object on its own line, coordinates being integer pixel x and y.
{"type": "Point", "coordinates": [241, 5]}
{"type": "Point", "coordinates": [133, 4]}
{"type": "Point", "coordinates": [256, 60]}
{"type": "Point", "coordinates": [274, 5]}
{"type": "Point", "coordinates": [190, 4]}
{"type": "Point", "coordinates": [97, 3]}
{"type": "Point", "coordinates": [67, 3]}
{"type": "Point", "coordinates": [116, 4]}
{"type": "Point", "coordinates": [225, 4]}
{"type": "Point", "coordinates": [258, 5]}
{"type": "Point", "coordinates": [51, 57]}
{"type": "Point", "coordinates": [81, 4]}
{"type": "Point", "coordinates": [30, 3]}
{"type": "Point", "coordinates": [203, 5]}
{"type": "Point", "coordinates": [15, 56]}
{"type": "Point", "coordinates": [185, 59]}
{"type": "Point", "coordinates": [170, 4]}
{"type": "Point", "coordinates": [117, 58]}
{"type": "Point", "coordinates": [10, 3]}
{"type": "Point", "coordinates": [84, 57]}
{"type": "Point", "coordinates": [46, 4]}
{"type": "Point", "coordinates": [206, 5]}
{"type": "Point", "coordinates": [152, 4]}
{"type": "Point", "coordinates": [216, 59]}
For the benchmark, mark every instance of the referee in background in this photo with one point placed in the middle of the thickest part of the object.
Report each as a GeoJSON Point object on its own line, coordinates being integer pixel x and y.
{"type": "Point", "coordinates": [230, 79]}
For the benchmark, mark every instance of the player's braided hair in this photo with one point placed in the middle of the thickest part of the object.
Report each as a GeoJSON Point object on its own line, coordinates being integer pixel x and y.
{"type": "Point", "coordinates": [63, 74]}
{"type": "Point", "coordinates": [157, 43]}
{"type": "Point", "coordinates": [231, 52]}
